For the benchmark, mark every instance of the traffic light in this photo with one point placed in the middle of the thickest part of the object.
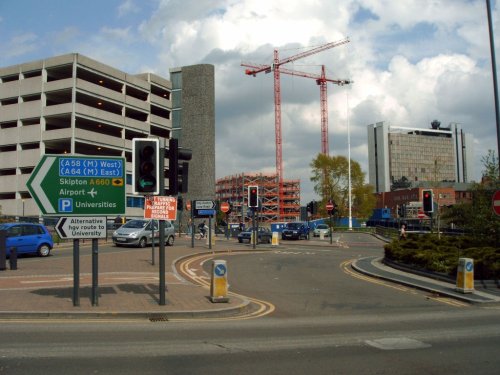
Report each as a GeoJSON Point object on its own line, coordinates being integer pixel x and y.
{"type": "Point", "coordinates": [178, 168]}
{"type": "Point", "coordinates": [427, 201]}
{"type": "Point", "coordinates": [253, 196]}
{"type": "Point", "coordinates": [145, 166]}
{"type": "Point", "coordinates": [309, 208]}
{"type": "Point", "coordinates": [314, 206]}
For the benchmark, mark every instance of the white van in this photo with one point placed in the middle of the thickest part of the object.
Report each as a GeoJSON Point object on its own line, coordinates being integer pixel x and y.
{"type": "Point", "coordinates": [139, 232]}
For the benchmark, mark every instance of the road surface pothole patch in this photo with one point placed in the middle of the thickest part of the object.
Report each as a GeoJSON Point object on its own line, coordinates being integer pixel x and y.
{"type": "Point", "coordinates": [399, 343]}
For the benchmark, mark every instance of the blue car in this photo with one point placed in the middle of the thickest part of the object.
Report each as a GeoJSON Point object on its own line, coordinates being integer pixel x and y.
{"type": "Point", "coordinates": [28, 238]}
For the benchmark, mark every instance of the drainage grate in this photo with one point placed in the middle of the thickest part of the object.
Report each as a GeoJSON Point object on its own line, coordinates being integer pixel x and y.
{"type": "Point", "coordinates": [160, 318]}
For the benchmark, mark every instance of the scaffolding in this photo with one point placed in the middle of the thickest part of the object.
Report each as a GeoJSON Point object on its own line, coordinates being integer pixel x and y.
{"type": "Point", "coordinates": [234, 189]}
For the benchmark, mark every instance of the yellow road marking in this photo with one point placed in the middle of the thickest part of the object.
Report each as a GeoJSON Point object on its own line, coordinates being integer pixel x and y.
{"type": "Point", "coordinates": [346, 268]}
{"type": "Point", "coordinates": [264, 308]}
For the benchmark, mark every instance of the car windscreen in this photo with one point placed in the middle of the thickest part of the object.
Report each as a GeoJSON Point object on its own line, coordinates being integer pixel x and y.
{"type": "Point", "coordinates": [293, 225]}
{"type": "Point", "coordinates": [135, 224]}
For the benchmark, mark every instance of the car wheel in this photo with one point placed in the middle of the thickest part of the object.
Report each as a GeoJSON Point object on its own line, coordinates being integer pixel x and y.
{"type": "Point", "coordinates": [240, 240]}
{"type": "Point", "coordinates": [43, 250]}
{"type": "Point", "coordinates": [142, 242]}
{"type": "Point", "coordinates": [170, 241]}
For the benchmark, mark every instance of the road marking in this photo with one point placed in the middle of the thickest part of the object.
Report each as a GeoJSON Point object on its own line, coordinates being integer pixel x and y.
{"type": "Point", "coordinates": [264, 308]}
{"type": "Point", "coordinates": [346, 267]}
{"type": "Point", "coordinates": [64, 279]}
{"type": "Point", "coordinates": [398, 343]}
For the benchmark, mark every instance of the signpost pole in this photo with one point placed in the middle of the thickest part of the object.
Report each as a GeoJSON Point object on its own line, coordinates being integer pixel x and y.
{"type": "Point", "coordinates": [95, 268]}
{"type": "Point", "coordinates": [76, 272]}
{"type": "Point", "coordinates": [253, 228]}
{"type": "Point", "coordinates": [210, 232]}
{"type": "Point", "coordinates": [153, 244]}
{"type": "Point", "coordinates": [162, 229]}
{"type": "Point", "coordinates": [192, 226]}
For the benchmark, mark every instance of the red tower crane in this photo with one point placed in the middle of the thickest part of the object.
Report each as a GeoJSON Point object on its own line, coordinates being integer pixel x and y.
{"type": "Point", "coordinates": [276, 68]}
{"type": "Point", "coordinates": [321, 81]}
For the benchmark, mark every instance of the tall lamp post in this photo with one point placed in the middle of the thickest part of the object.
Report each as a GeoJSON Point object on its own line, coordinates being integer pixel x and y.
{"type": "Point", "coordinates": [494, 71]}
{"type": "Point", "coordinates": [349, 162]}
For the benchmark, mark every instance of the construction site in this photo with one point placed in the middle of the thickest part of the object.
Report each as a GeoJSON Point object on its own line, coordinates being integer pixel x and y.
{"type": "Point", "coordinates": [279, 197]}
{"type": "Point", "coordinates": [276, 205]}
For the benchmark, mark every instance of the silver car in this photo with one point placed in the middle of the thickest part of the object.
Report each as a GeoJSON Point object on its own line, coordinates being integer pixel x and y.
{"type": "Point", "coordinates": [322, 228]}
{"type": "Point", "coordinates": [139, 232]}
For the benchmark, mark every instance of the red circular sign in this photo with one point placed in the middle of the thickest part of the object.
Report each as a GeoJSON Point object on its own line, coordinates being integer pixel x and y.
{"type": "Point", "coordinates": [188, 205]}
{"type": "Point", "coordinates": [224, 207]}
{"type": "Point", "coordinates": [496, 202]}
{"type": "Point", "coordinates": [329, 206]}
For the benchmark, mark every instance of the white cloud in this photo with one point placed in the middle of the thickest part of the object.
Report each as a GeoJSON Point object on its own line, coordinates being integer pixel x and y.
{"type": "Point", "coordinates": [20, 45]}
{"type": "Point", "coordinates": [127, 7]}
{"type": "Point", "coordinates": [412, 61]}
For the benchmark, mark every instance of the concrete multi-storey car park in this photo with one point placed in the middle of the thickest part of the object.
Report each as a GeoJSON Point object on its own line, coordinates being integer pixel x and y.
{"type": "Point", "coordinates": [71, 104]}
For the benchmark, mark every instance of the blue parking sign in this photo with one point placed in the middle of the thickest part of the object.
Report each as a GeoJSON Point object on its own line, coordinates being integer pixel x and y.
{"type": "Point", "coordinates": [65, 204]}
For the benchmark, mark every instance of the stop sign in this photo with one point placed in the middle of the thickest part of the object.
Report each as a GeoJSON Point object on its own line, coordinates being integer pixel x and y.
{"type": "Point", "coordinates": [496, 202]}
{"type": "Point", "coordinates": [224, 207]}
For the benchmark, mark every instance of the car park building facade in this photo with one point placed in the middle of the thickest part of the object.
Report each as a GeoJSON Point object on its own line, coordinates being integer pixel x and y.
{"type": "Point", "coordinates": [74, 105]}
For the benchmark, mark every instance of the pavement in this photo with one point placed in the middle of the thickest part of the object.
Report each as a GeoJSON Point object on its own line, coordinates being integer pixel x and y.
{"type": "Point", "coordinates": [128, 284]}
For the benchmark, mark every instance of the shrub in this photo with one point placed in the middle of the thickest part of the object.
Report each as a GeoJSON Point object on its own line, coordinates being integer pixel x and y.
{"type": "Point", "coordinates": [441, 254]}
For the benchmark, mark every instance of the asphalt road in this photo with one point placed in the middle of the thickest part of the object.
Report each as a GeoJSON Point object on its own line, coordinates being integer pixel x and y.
{"type": "Point", "coordinates": [326, 321]}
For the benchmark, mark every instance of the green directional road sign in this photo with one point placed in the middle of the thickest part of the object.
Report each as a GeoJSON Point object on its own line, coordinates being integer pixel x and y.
{"type": "Point", "coordinates": [79, 185]}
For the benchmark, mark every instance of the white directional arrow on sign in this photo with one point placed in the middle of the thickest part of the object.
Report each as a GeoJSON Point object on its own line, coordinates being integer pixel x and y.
{"type": "Point", "coordinates": [36, 185]}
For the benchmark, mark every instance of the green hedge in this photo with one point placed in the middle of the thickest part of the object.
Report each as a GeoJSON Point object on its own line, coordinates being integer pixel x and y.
{"type": "Point", "coordinates": [428, 252]}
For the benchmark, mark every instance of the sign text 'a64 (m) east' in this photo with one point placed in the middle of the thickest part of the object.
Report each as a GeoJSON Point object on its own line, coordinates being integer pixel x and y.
{"type": "Point", "coordinates": [79, 185]}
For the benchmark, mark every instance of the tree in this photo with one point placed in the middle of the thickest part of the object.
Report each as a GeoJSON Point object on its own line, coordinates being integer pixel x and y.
{"type": "Point", "coordinates": [330, 175]}
{"type": "Point", "coordinates": [402, 183]}
{"type": "Point", "coordinates": [477, 217]}
{"type": "Point", "coordinates": [490, 163]}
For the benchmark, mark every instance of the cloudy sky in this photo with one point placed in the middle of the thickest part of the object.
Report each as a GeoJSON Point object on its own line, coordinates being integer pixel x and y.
{"type": "Point", "coordinates": [412, 61]}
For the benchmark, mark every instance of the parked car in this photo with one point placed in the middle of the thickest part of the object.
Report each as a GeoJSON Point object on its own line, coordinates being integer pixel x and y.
{"type": "Point", "coordinates": [321, 228]}
{"type": "Point", "coordinates": [295, 231]}
{"type": "Point", "coordinates": [28, 238]}
{"type": "Point", "coordinates": [139, 232]}
{"type": "Point", "coordinates": [264, 235]}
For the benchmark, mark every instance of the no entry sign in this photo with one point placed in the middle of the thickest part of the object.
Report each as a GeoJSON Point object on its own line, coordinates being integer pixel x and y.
{"type": "Point", "coordinates": [496, 202]}
{"type": "Point", "coordinates": [224, 207]}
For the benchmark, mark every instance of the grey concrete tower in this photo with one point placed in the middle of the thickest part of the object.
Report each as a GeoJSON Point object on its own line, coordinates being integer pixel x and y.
{"type": "Point", "coordinates": [193, 123]}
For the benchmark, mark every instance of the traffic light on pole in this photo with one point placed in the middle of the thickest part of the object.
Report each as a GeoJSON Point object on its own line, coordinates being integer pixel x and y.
{"type": "Point", "coordinates": [253, 196]}
{"type": "Point", "coordinates": [178, 168]}
{"type": "Point", "coordinates": [427, 201]}
{"type": "Point", "coordinates": [145, 166]}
